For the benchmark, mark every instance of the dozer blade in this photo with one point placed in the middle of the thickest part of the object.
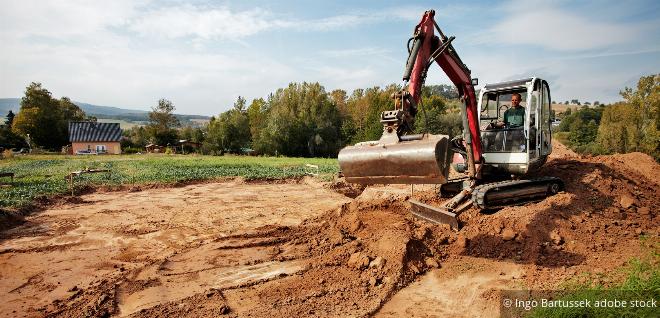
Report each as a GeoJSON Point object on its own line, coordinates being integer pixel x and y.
{"type": "Point", "coordinates": [437, 215]}
{"type": "Point", "coordinates": [417, 159]}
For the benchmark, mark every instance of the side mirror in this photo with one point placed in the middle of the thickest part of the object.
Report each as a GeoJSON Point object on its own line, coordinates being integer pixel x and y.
{"type": "Point", "coordinates": [475, 81]}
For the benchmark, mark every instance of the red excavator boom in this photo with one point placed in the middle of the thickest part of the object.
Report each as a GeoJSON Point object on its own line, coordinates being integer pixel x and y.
{"type": "Point", "coordinates": [428, 47]}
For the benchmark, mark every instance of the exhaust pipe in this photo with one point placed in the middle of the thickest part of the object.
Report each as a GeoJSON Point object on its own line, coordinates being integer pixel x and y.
{"type": "Point", "coordinates": [411, 159]}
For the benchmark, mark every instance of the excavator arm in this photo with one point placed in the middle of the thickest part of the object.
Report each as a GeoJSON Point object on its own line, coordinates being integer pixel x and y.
{"type": "Point", "coordinates": [427, 48]}
{"type": "Point", "coordinates": [405, 158]}
{"type": "Point", "coordinates": [399, 156]}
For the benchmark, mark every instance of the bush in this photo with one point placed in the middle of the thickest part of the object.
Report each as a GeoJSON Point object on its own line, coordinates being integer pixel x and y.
{"type": "Point", "coordinates": [7, 154]}
{"type": "Point", "coordinates": [132, 150]}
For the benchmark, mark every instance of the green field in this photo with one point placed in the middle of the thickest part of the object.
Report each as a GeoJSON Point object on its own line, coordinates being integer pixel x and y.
{"type": "Point", "coordinates": [122, 123]}
{"type": "Point", "coordinates": [39, 175]}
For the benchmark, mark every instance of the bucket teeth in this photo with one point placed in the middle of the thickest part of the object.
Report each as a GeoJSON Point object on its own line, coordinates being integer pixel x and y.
{"type": "Point", "coordinates": [437, 215]}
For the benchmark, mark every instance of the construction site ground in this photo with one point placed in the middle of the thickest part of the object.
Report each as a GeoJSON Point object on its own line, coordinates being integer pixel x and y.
{"type": "Point", "coordinates": [300, 248]}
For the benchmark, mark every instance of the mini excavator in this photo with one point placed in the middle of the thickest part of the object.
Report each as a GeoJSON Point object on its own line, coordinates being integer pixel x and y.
{"type": "Point", "coordinates": [494, 159]}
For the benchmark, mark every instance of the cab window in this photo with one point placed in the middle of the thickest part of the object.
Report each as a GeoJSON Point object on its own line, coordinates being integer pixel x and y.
{"type": "Point", "coordinates": [494, 104]}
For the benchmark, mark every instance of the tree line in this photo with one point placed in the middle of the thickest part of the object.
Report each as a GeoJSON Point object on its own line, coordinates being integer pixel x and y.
{"type": "Point", "coordinates": [627, 126]}
{"type": "Point", "coordinates": [301, 120]}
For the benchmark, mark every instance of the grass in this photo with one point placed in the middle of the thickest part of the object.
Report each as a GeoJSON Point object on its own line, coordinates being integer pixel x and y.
{"type": "Point", "coordinates": [641, 281]}
{"type": "Point", "coordinates": [43, 175]}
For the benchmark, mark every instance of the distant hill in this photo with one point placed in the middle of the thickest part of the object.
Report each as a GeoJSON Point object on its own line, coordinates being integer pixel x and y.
{"type": "Point", "coordinates": [106, 112]}
{"type": "Point", "coordinates": [7, 104]}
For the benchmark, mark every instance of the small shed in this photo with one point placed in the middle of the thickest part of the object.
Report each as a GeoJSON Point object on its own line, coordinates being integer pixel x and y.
{"type": "Point", "coordinates": [153, 148]}
{"type": "Point", "coordinates": [187, 146]}
{"type": "Point", "coordinates": [93, 138]}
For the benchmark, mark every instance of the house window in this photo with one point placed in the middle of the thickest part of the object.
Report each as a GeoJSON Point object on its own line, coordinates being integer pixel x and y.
{"type": "Point", "coordinates": [100, 149]}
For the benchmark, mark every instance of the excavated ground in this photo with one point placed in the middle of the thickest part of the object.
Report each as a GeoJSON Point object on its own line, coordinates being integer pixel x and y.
{"type": "Point", "coordinates": [303, 248]}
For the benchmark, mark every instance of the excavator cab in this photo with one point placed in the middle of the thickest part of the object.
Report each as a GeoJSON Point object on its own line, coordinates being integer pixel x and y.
{"type": "Point", "coordinates": [515, 149]}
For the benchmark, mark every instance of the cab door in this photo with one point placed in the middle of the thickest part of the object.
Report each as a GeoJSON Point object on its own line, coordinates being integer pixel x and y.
{"type": "Point", "coordinates": [533, 110]}
{"type": "Point", "coordinates": [545, 140]}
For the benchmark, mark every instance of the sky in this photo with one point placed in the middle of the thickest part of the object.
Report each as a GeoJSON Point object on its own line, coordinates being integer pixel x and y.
{"type": "Point", "coordinates": [202, 55]}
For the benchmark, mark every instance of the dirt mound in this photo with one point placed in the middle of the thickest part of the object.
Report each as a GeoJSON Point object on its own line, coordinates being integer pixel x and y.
{"type": "Point", "coordinates": [346, 262]}
{"type": "Point", "coordinates": [635, 164]}
{"type": "Point", "coordinates": [562, 152]}
{"type": "Point", "coordinates": [348, 189]}
{"type": "Point", "coordinates": [605, 207]}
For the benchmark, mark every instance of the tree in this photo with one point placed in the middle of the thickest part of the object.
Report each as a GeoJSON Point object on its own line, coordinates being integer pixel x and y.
{"type": "Point", "coordinates": [302, 121]}
{"type": "Point", "coordinates": [239, 105]}
{"type": "Point", "coordinates": [137, 137]}
{"type": "Point", "coordinates": [633, 124]}
{"type": "Point", "coordinates": [443, 90]}
{"type": "Point", "coordinates": [8, 139]}
{"type": "Point", "coordinates": [434, 117]}
{"type": "Point", "coordinates": [257, 114]}
{"type": "Point", "coordinates": [10, 119]}
{"type": "Point", "coordinates": [230, 132]}
{"type": "Point", "coordinates": [162, 123]}
{"type": "Point", "coordinates": [365, 107]}
{"type": "Point", "coordinates": [584, 114]}
{"type": "Point", "coordinates": [583, 133]}
{"type": "Point", "coordinates": [45, 118]}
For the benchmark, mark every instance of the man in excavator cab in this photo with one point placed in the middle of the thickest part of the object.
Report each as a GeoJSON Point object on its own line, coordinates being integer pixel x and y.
{"type": "Point", "coordinates": [515, 115]}
{"type": "Point", "coordinates": [514, 120]}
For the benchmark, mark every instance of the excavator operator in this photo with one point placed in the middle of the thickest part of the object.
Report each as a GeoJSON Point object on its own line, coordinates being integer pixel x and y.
{"type": "Point", "coordinates": [515, 115]}
{"type": "Point", "coordinates": [514, 120]}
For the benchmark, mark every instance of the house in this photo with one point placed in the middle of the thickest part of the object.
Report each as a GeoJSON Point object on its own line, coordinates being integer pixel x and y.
{"type": "Point", "coordinates": [93, 138]}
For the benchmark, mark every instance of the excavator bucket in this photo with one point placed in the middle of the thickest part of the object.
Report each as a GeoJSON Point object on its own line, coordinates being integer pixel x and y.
{"type": "Point", "coordinates": [415, 159]}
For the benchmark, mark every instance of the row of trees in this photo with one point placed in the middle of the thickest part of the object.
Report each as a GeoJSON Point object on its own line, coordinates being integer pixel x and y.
{"type": "Point", "coordinates": [577, 102]}
{"type": "Point", "coordinates": [299, 120]}
{"type": "Point", "coordinates": [627, 126]}
{"type": "Point", "coordinates": [305, 120]}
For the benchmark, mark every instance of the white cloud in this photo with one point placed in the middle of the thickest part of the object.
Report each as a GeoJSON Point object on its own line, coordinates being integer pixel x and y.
{"type": "Point", "coordinates": [547, 25]}
{"type": "Point", "coordinates": [205, 23]}
{"type": "Point", "coordinates": [61, 19]}
{"type": "Point", "coordinates": [223, 23]}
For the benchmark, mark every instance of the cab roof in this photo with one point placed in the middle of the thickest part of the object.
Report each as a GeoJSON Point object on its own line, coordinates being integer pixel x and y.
{"type": "Point", "coordinates": [514, 83]}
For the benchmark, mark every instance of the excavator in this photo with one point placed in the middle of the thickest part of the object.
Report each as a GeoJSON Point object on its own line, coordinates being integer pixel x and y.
{"type": "Point", "coordinates": [495, 160]}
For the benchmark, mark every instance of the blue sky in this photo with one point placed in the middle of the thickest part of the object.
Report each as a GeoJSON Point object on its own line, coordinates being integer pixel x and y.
{"type": "Point", "coordinates": [202, 55]}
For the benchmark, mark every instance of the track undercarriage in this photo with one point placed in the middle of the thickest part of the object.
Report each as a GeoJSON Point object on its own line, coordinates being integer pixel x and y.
{"type": "Point", "coordinates": [487, 196]}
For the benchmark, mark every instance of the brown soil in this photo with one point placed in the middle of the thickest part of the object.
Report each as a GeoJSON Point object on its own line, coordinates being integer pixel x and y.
{"type": "Point", "coordinates": [302, 249]}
